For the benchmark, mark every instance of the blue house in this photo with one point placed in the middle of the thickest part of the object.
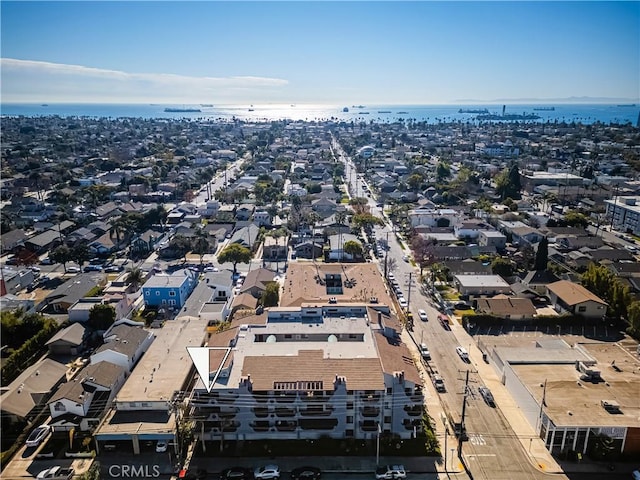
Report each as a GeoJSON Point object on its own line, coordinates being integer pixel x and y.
{"type": "Point", "coordinates": [169, 290]}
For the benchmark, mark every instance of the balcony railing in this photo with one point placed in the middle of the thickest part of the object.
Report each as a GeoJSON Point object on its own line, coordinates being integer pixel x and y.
{"type": "Point", "coordinates": [410, 424]}
{"type": "Point", "coordinates": [261, 397]}
{"type": "Point", "coordinates": [286, 425]}
{"type": "Point", "coordinates": [370, 412]}
{"type": "Point", "coordinates": [261, 412]}
{"type": "Point", "coordinates": [285, 412]}
{"type": "Point", "coordinates": [261, 426]}
{"type": "Point", "coordinates": [369, 426]}
{"type": "Point", "coordinates": [316, 411]}
{"type": "Point", "coordinates": [318, 423]}
{"type": "Point", "coordinates": [414, 410]}
{"type": "Point", "coordinates": [286, 398]}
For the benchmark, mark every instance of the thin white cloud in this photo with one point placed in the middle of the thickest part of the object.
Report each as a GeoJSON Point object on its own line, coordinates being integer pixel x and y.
{"type": "Point", "coordinates": [28, 80]}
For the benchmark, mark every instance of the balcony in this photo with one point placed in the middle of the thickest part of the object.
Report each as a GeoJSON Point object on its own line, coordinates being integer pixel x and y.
{"type": "Point", "coordinates": [414, 410]}
{"type": "Point", "coordinates": [318, 423]}
{"type": "Point", "coordinates": [261, 397]}
{"type": "Point", "coordinates": [370, 412]}
{"type": "Point", "coordinates": [316, 397]}
{"type": "Point", "coordinates": [286, 398]}
{"type": "Point", "coordinates": [260, 426]}
{"type": "Point", "coordinates": [411, 424]}
{"type": "Point", "coordinates": [228, 397]}
{"type": "Point", "coordinates": [316, 411]}
{"type": "Point", "coordinates": [370, 397]}
{"type": "Point", "coordinates": [369, 426]}
{"type": "Point", "coordinates": [286, 425]}
{"type": "Point", "coordinates": [285, 412]}
{"type": "Point", "coordinates": [261, 412]}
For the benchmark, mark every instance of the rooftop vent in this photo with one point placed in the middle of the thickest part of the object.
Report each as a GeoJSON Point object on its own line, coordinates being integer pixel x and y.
{"type": "Point", "coordinates": [610, 406]}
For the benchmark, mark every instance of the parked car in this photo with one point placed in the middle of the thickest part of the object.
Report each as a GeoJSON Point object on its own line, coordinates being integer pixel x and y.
{"type": "Point", "coordinates": [462, 353]}
{"type": "Point", "coordinates": [267, 472]}
{"type": "Point", "coordinates": [438, 382]}
{"type": "Point", "coordinates": [56, 473]}
{"type": "Point", "coordinates": [161, 446]}
{"type": "Point", "coordinates": [488, 396]}
{"type": "Point", "coordinates": [388, 472]}
{"type": "Point", "coordinates": [93, 268]}
{"type": "Point", "coordinates": [38, 435]}
{"type": "Point", "coordinates": [403, 302]}
{"type": "Point", "coordinates": [444, 321]}
{"type": "Point", "coordinates": [46, 261]}
{"type": "Point", "coordinates": [305, 473]}
{"type": "Point", "coordinates": [405, 258]}
{"type": "Point", "coordinates": [424, 351]}
{"type": "Point", "coordinates": [73, 269]}
{"type": "Point", "coordinates": [423, 315]}
{"type": "Point", "coordinates": [236, 473]}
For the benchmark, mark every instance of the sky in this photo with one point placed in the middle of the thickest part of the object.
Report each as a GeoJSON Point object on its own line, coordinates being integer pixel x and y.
{"type": "Point", "coordinates": [237, 52]}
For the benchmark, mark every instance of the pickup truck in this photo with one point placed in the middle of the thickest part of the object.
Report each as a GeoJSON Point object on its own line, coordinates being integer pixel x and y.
{"type": "Point", "coordinates": [56, 473]}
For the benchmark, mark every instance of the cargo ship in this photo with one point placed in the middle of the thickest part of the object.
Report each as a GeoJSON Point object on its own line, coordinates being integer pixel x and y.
{"type": "Point", "coordinates": [545, 109]}
{"type": "Point", "coordinates": [473, 110]}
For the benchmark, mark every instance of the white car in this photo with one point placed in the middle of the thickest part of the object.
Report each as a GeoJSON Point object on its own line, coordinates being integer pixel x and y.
{"type": "Point", "coordinates": [162, 446]}
{"type": "Point", "coordinates": [405, 258]}
{"type": "Point", "coordinates": [462, 353]}
{"type": "Point", "coordinates": [388, 472]}
{"type": "Point", "coordinates": [403, 303]}
{"type": "Point", "coordinates": [423, 315]}
{"type": "Point", "coordinates": [38, 435]}
{"type": "Point", "coordinates": [73, 269]}
{"type": "Point", "coordinates": [424, 351]}
{"type": "Point", "coordinates": [267, 472]}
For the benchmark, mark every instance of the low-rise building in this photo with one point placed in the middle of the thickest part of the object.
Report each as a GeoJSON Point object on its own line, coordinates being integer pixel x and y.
{"type": "Point", "coordinates": [572, 298]}
{"type": "Point", "coordinates": [481, 285]}
{"type": "Point", "coordinates": [124, 344]}
{"type": "Point", "coordinates": [171, 291]}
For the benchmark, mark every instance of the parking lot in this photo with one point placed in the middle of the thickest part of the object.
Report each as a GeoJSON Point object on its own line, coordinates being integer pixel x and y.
{"type": "Point", "coordinates": [512, 335]}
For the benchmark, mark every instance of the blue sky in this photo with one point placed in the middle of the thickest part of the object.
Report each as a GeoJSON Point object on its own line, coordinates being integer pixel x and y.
{"type": "Point", "coordinates": [318, 52]}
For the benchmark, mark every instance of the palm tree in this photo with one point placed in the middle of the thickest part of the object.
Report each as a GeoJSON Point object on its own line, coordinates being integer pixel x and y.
{"type": "Point", "coordinates": [135, 277]}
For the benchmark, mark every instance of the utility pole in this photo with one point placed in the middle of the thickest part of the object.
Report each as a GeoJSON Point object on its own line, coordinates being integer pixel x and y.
{"type": "Point", "coordinates": [409, 290]}
{"type": "Point", "coordinates": [463, 430]}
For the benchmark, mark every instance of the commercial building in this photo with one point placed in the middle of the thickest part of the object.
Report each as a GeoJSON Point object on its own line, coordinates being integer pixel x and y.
{"type": "Point", "coordinates": [481, 285]}
{"type": "Point", "coordinates": [575, 396]}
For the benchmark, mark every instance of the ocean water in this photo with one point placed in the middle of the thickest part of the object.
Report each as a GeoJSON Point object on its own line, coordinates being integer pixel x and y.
{"type": "Point", "coordinates": [583, 113]}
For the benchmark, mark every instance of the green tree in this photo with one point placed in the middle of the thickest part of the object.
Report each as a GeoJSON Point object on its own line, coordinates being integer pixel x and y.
{"type": "Point", "coordinates": [235, 253]}
{"type": "Point", "coordinates": [502, 266]}
{"type": "Point", "coordinates": [422, 251]}
{"type": "Point", "coordinates": [271, 295]}
{"type": "Point", "coordinates": [442, 171]}
{"type": "Point", "coordinates": [313, 188]}
{"type": "Point", "coordinates": [633, 316]}
{"type": "Point", "coordinates": [542, 255]}
{"type": "Point", "coordinates": [181, 245]}
{"type": "Point", "coordinates": [415, 181]}
{"type": "Point", "coordinates": [62, 255]}
{"type": "Point", "coordinates": [352, 248]}
{"type": "Point", "coordinates": [80, 254]}
{"type": "Point", "coordinates": [576, 219]}
{"type": "Point", "coordinates": [101, 316]}
{"type": "Point", "coordinates": [366, 220]}
{"type": "Point", "coordinates": [202, 243]}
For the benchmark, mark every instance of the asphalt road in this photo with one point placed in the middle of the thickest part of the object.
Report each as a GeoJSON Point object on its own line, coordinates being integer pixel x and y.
{"type": "Point", "coordinates": [492, 452]}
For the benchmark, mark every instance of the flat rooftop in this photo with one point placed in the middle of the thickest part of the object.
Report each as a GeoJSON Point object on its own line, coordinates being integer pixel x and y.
{"type": "Point", "coordinates": [165, 367]}
{"type": "Point", "coordinates": [301, 283]}
{"type": "Point", "coordinates": [120, 424]}
{"type": "Point", "coordinates": [571, 401]}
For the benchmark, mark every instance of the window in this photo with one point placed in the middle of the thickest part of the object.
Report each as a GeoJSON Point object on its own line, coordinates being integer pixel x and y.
{"type": "Point", "coordinates": [389, 390]}
{"type": "Point", "coordinates": [59, 407]}
{"type": "Point", "coordinates": [582, 309]}
{"type": "Point", "coordinates": [172, 293]}
{"type": "Point", "coordinates": [147, 293]}
{"type": "Point", "coordinates": [387, 419]}
{"type": "Point", "coordinates": [349, 418]}
{"type": "Point", "coordinates": [172, 302]}
{"type": "Point", "coordinates": [157, 293]}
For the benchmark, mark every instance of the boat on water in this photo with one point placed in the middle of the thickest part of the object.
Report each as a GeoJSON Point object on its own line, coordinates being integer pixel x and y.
{"type": "Point", "coordinates": [384, 111]}
{"type": "Point", "coordinates": [345, 109]}
{"type": "Point", "coordinates": [403, 113]}
{"type": "Point", "coordinates": [545, 109]}
{"type": "Point", "coordinates": [364, 113]}
{"type": "Point", "coordinates": [208, 105]}
{"type": "Point", "coordinates": [44, 105]}
{"type": "Point", "coordinates": [626, 105]}
{"type": "Point", "coordinates": [182, 110]}
{"type": "Point", "coordinates": [473, 110]}
{"type": "Point", "coordinates": [357, 106]}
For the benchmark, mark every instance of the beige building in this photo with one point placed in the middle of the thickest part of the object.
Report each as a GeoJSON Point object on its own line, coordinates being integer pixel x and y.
{"type": "Point", "coordinates": [572, 298]}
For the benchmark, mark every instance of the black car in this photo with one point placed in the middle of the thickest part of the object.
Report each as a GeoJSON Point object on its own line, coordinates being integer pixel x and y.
{"type": "Point", "coordinates": [236, 473]}
{"type": "Point", "coordinates": [305, 473]}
